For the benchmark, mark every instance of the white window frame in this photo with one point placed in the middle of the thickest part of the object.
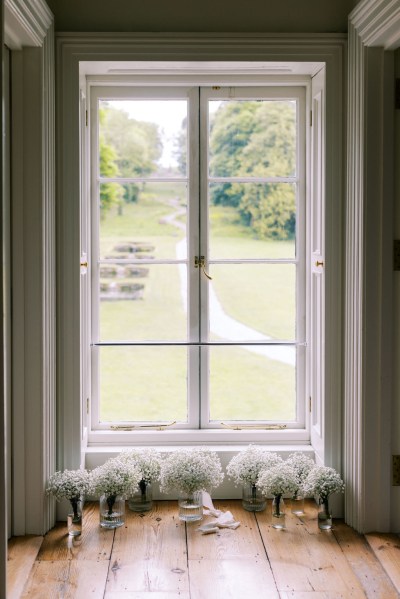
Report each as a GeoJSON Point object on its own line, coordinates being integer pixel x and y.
{"type": "Point", "coordinates": [298, 88]}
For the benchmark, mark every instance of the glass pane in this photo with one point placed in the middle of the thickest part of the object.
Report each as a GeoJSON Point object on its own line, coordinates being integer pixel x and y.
{"type": "Point", "coordinates": [143, 221]}
{"type": "Point", "coordinates": [252, 138]}
{"type": "Point", "coordinates": [143, 302]}
{"type": "Point", "coordinates": [248, 386]}
{"type": "Point", "coordinates": [143, 138]}
{"type": "Point", "coordinates": [252, 302]}
{"type": "Point", "coordinates": [249, 220]}
{"type": "Point", "coordinates": [143, 384]}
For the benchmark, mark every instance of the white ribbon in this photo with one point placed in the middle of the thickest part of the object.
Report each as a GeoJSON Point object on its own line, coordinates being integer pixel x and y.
{"type": "Point", "coordinates": [222, 519]}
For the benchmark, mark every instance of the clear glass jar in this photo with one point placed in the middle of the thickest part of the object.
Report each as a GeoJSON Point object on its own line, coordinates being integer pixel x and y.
{"type": "Point", "coordinates": [74, 517]}
{"type": "Point", "coordinates": [190, 506]}
{"type": "Point", "coordinates": [112, 511]}
{"type": "Point", "coordinates": [278, 512]}
{"type": "Point", "coordinates": [142, 499]}
{"type": "Point", "coordinates": [298, 505]}
{"type": "Point", "coordinates": [324, 514]}
{"type": "Point", "coordinates": [252, 498]}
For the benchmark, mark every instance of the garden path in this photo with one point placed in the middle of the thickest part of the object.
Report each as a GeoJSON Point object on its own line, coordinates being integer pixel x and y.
{"type": "Point", "coordinates": [221, 324]}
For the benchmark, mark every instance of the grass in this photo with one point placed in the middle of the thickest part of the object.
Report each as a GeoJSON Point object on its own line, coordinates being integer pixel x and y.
{"type": "Point", "coordinates": [149, 383]}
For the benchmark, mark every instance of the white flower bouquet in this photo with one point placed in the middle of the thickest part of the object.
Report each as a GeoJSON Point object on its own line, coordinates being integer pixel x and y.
{"type": "Point", "coordinates": [278, 480]}
{"type": "Point", "coordinates": [302, 466]}
{"type": "Point", "coordinates": [115, 477]}
{"type": "Point", "coordinates": [323, 481]}
{"type": "Point", "coordinates": [113, 481]}
{"type": "Point", "coordinates": [69, 484]}
{"type": "Point", "coordinates": [191, 470]}
{"type": "Point", "coordinates": [72, 485]}
{"type": "Point", "coordinates": [148, 461]}
{"type": "Point", "coordinates": [246, 466]}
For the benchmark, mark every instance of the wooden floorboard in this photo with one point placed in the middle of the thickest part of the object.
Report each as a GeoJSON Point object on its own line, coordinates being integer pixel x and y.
{"type": "Point", "coordinates": [305, 559]}
{"type": "Point", "coordinates": [22, 553]}
{"type": "Point", "coordinates": [149, 553]}
{"type": "Point", "coordinates": [230, 563]}
{"type": "Point", "coordinates": [362, 559]}
{"type": "Point", "coordinates": [386, 548]}
{"type": "Point", "coordinates": [156, 556]}
{"type": "Point", "coordinates": [66, 579]}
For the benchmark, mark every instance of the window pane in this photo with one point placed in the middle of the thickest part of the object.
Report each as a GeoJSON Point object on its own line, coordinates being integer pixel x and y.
{"type": "Point", "coordinates": [248, 386]}
{"type": "Point", "coordinates": [249, 220]}
{"type": "Point", "coordinates": [143, 384]}
{"type": "Point", "coordinates": [252, 302]}
{"type": "Point", "coordinates": [142, 138]}
{"type": "Point", "coordinates": [143, 302]}
{"type": "Point", "coordinates": [150, 225]}
{"type": "Point", "coordinates": [252, 138]}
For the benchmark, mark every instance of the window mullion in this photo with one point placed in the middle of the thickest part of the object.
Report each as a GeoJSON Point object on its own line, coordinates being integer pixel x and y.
{"type": "Point", "coordinates": [204, 251]}
{"type": "Point", "coordinates": [193, 250]}
{"type": "Point", "coordinates": [94, 263]}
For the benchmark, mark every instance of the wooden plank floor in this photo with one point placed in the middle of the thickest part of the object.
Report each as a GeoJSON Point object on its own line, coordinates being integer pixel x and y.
{"type": "Point", "coordinates": [156, 556]}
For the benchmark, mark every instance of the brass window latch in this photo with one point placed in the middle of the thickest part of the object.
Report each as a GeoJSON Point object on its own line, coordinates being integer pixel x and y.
{"type": "Point", "coordinates": [133, 427]}
{"type": "Point", "coordinates": [200, 262]}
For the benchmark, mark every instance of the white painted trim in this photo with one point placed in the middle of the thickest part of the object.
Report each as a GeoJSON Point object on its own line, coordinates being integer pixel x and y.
{"type": "Point", "coordinates": [377, 23]}
{"type": "Point", "coordinates": [33, 224]}
{"type": "Point", "coordinates": [368, 309]}
{"type": "Point", "coordinates": [49, 270]}
{"type": "Point", "coordinates": [26, 23]}
{"type": "Point", "coordinates": [3, 348]}
{"type": "Point", "coordinates": [73, 48]}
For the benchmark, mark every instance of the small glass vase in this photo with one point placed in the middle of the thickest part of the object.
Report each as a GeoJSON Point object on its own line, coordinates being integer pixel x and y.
{"type": "Point", "coordinates": [190, 506]}
{"type": "Point", "coordinates": [252, 498]}
{"type": "Point", "coordinates": [324, 514]}
{"type": "Point", "coordinates": [74, 518]}
{"type": "Point", "coordinates": [298, 505]}
{"type": "Point", "coordinates": [278, 512]}
{"type": "Point", "coordinates": [142, 499]}
{"type": "Point", "coordinates": [112, 511]}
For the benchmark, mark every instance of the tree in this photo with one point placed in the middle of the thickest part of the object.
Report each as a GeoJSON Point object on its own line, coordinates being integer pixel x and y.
{"type": "Point", "coordinates": [181, 148]}
{"type": "Point", "coordinates": [137, 145]}
{"type": "Point", "coordinates": [110, 193]}
{"type": "Point", "coordinates": [256, 139]}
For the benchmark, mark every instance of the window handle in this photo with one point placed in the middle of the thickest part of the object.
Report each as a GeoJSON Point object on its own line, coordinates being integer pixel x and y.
{"type": "Point", "coordinates": [199, 262]}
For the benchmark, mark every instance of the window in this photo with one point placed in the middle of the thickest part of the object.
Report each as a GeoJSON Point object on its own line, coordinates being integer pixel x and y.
{"type": "Point", "coordinates": [198, 258]}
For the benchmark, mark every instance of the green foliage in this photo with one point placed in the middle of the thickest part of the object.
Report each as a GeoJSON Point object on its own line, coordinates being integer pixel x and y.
{"type": "Point", "coordinates": [128, 148]}
{"type": "Point", "coordinates": [110, 193]}
{"type": "Point", "coordinates": [270, 210]}
{"type": "Point", "coordinates": [256, 139]}
{"type": "Point", "coordinates": [181, 148]}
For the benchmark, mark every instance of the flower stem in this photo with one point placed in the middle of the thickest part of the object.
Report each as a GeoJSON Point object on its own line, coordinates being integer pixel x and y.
{"type": "Point", "coordinates": [74, 503]}
{"type": "Point", "coordinates": [143, 487]}
{"type": "Point", "coordinates": [110, 503]}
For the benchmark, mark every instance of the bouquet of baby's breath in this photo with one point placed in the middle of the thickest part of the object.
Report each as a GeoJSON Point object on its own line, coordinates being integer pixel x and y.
{"type": "Point", "coordinates": [115, 477]}
{"type": "Point", "coordinates": [323, 481]}
{"type": "Point", "coordinates": [69, 484]}
{"type": "Point", "coordinates": [278, 480]}
{"type": "Point", "coordinates": [147, 460]}
{"type": "Point", "coordinates": [246, 466]}
{"type": "Point", "coordinates": [302, 465]}
{"type": "Point", "coordinates": [191, 470]}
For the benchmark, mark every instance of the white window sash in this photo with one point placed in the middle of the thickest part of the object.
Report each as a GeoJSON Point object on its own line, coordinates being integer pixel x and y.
{"type": "Point", "coordinates": [198, 246]}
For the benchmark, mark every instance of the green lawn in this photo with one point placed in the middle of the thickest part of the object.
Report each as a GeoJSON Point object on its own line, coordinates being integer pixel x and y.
{"type": "Point", "coordinates": [150, 383]}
